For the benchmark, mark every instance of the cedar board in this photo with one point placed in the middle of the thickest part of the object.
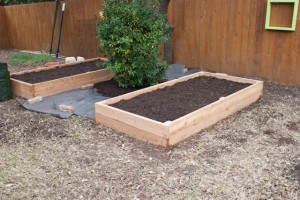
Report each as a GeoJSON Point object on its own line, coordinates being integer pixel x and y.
{"type": "Point", "coordinates": [172, 132]}
{"type": "Point", "coordinates": [28, 91]}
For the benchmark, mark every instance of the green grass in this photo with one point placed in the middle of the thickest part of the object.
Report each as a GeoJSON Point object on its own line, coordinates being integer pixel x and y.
{"type": "Point", "coordinates": [20, 58]}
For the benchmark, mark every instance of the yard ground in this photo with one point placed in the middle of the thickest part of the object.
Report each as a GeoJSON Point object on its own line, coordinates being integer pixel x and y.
{"type": "Point", "coordinates": [254, 154]}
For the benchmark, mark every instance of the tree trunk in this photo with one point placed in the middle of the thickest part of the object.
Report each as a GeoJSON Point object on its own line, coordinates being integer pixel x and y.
{"type": "Point", "coordinates": [168, 49]}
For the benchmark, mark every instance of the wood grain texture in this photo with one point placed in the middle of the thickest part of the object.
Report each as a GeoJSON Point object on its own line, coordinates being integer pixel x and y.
{"type": "Point", "coordinates": [30, 26]}
{"type": "Point", "coordinates": [229, 36]}
{"type": "Point", "coordinates": [281, 14]}
{"type": "Point", "coordinates": [143, 123]}
{"type": "Point", "coordinates": [171, 132]}
{"type": "Point", "coordinates": [132, 131]}
{"type": "Point", "coordinates": [4, 39]}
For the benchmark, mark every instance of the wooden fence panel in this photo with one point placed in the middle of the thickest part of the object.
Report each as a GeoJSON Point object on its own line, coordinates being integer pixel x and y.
{"type": "Point", "coordinates": [229, 36]}
{"type": "Point", "coordinates": [30, 27]}
{"type": "Point", "coordinates": [4, 40]}
{"type": "Point", "coordinates": [224, 36]}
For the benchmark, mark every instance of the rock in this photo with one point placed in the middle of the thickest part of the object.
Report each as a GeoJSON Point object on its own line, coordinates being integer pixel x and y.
{"type": "Point", "coordinates": [70, 60]}
{"type": "Point", "coordinates": [87, 86]}
{"type": "Point", "coordinates": [35, 100]}
{"type": "Point", "coordinates": [66, 108]}
{"type": "Point", "coordinates": [175, 71]}
{"type": "Point", "coordinates": [80, 59]}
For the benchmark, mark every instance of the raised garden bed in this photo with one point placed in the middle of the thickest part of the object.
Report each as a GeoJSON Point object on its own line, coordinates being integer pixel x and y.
{"type": "Point", "coordinates": [170, 112]}
{"type": "Point", "coordinates": [52, 80]}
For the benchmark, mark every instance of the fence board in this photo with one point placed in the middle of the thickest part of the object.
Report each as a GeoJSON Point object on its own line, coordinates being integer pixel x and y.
{"type": "Point", "coordinates": [4, 40]}
{"type": "Point", "coordinates": [30, 27]}
{"type": "Point", "coordinates": [229, 36]}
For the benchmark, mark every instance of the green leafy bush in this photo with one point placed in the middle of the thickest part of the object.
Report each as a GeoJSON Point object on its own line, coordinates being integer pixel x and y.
{"type": "Point", "coordinates": [130, 33]}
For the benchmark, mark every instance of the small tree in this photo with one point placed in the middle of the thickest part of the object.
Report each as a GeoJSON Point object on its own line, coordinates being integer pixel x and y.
{"type": "Point", "coordinates": [130, 33]}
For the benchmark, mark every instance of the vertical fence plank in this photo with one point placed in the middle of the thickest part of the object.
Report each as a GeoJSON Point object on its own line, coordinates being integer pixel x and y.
{"type": "Point", "coordinates": [4, 38]}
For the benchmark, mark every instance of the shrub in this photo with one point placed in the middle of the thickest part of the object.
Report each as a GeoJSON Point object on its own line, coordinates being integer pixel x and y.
{"type": "Point", "coordinates": [130, 33]}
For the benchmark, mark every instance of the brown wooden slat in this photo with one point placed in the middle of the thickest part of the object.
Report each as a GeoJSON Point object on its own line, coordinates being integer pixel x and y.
{"type": "Point", "coordinates": [4, 39]}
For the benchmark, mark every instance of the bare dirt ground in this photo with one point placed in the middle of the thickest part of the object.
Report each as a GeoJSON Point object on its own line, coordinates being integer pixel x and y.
{"type": "Point", "coordinates": [254, 154]}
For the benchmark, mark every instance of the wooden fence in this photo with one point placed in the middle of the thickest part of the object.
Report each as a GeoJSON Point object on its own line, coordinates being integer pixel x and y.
{"type": "Point", "coordinates": [30, 26]}
{"type": "Point", "coordinates": [229, 36]}
{"type": "Point", "coordinates": [221, 35]}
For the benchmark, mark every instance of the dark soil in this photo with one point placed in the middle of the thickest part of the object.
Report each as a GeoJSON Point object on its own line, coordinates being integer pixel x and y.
{"type": "Point", "coordinates": [58, 72]}
{"type": "Point", "coordinates": [111, 88]}
{"type": "Point", "coordinates": [173, 102]}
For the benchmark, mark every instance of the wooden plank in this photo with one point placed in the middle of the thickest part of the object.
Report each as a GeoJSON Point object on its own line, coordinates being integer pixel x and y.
{"type": "Point", "coordinates": [72, 82]}
{"type": "Point", "coordinates": [131, 119]}
{"type": "Point", "coordinates": [21, 89]}
{"type": "Point", "coordinates": [4, 41]}
{"type": "Point", "coordinates": [247, 68]}
{"type": "Point", "coordinates": [230, 78]}
{"type": "Point", "coordinates": [192, 123]}
{"type": "Point", "coordinates": [245, 31]}
{"type": "Point", "coordinates": [131, 131]}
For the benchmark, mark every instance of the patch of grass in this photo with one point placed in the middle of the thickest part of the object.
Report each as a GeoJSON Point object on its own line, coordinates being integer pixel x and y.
{"type": "Point", "coordinates": [21, 58]}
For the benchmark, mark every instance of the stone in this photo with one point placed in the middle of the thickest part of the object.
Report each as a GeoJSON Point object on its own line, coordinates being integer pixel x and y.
{"type": "Point", "coordinates": [66, 108]}
{"type": "Point", "coordinates": [35, 100]}
{"type": "Point", "coordinates": [87, 86]}
{"type": "Point", "coordinates": [80, 59]}
{"type": "Point", "coordinates": [70, 60]}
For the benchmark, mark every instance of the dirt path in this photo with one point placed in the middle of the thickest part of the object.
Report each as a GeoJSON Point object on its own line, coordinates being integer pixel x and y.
{"type": "Point", "coordinates": [254, 154]}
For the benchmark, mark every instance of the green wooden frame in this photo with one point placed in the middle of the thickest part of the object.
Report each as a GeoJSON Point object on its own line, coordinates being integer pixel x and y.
{"type": "Point", "coordinates": [294, 20]}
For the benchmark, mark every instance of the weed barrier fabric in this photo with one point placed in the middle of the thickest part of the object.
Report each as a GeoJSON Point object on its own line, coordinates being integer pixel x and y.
{"type": "Point", "coordinates": [83, 100]}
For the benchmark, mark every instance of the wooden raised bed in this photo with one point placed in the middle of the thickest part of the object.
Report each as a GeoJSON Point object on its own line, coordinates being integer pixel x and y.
{"type": "Point", "coordinates": [47, 88]}
{"type": "Point", "coordinates": [171, 132]}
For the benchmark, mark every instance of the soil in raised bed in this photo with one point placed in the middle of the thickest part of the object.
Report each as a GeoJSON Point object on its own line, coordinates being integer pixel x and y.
{"type": "Point", "coordinates": [175, 101]}
{"type": "Point", "coordinates": [58, 72]}
{"type": "Point", "coordinates": [111, 88]}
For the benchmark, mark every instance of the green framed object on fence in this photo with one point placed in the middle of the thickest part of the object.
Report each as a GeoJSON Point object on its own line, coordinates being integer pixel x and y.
{"type": "Point", "coordinates": [294, 20]}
